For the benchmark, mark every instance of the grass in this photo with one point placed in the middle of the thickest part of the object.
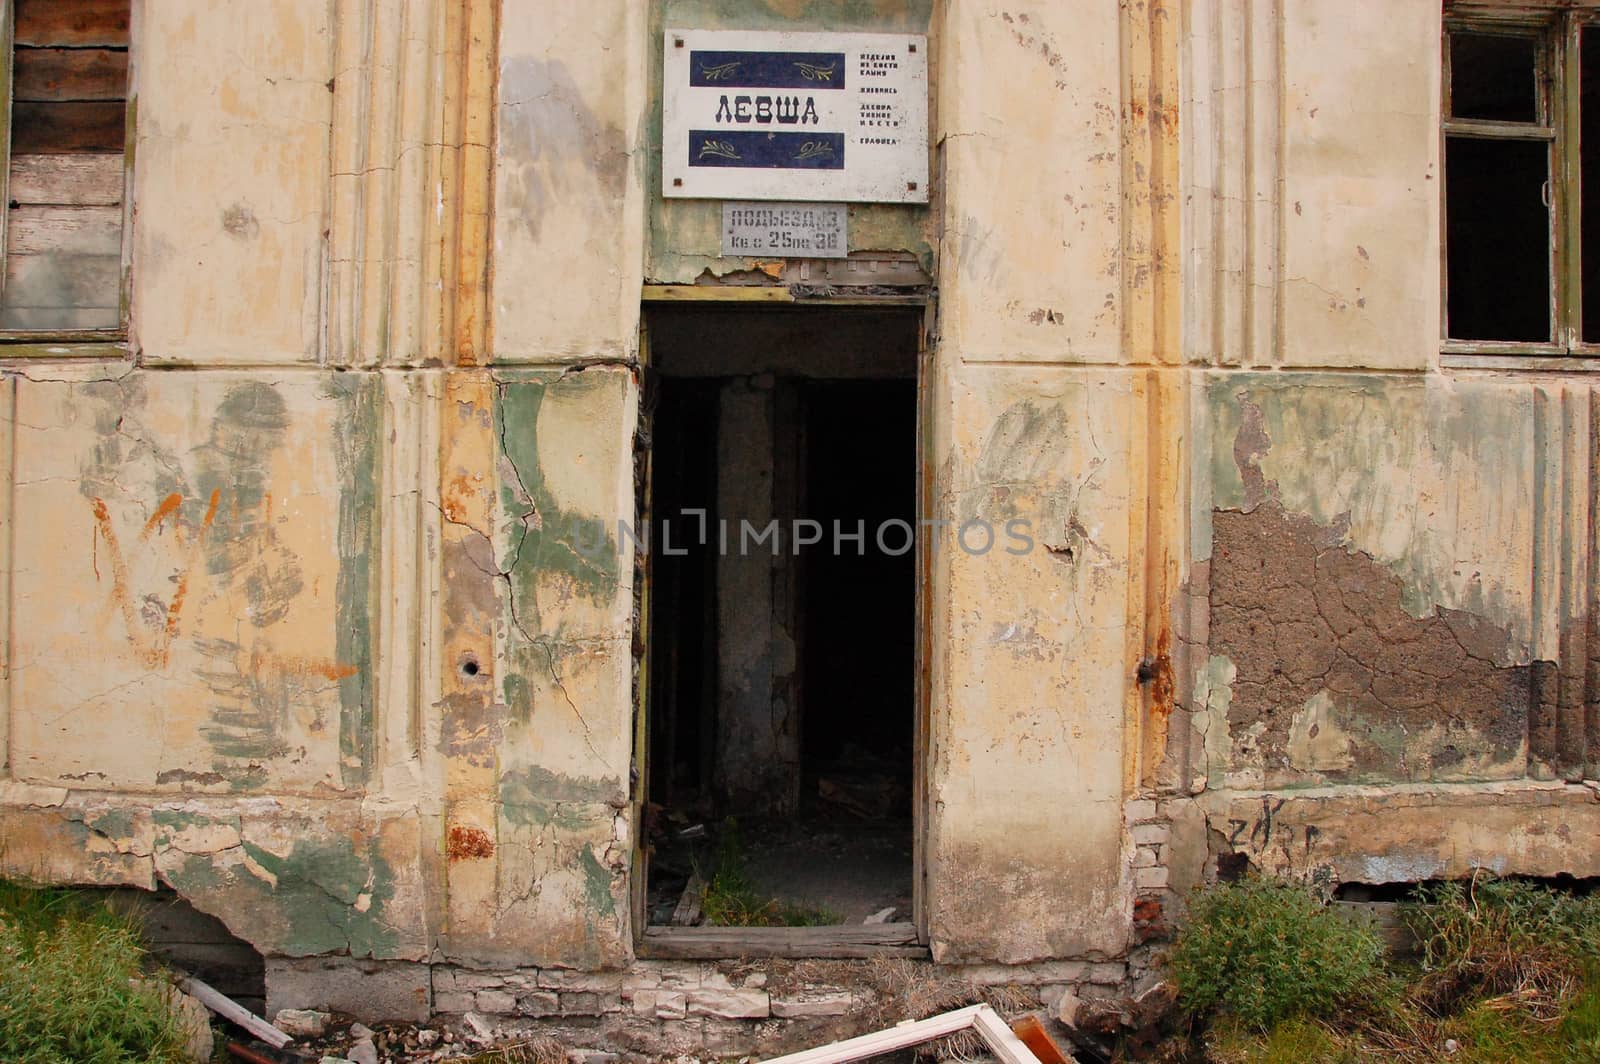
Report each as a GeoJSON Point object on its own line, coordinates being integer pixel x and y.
{"type": "Point", "coordinates": [732, 898]}
{"type": "Point", "coordinates": [1262, 952]}
{"type": "Point", "coordinates": [66, 966]}
{"type": "Point", "coordinates": [1509, 972]}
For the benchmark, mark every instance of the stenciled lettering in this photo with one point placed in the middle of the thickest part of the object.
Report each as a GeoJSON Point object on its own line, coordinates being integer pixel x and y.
{"type": "Point", "coordinates": [765, 110]}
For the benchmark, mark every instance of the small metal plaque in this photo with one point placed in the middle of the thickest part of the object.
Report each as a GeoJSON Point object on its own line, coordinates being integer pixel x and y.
{"type": "Point", "coordinates": [789, 230]}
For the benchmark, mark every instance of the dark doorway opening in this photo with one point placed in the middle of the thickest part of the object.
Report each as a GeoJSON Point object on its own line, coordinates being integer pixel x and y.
{"type": "Point", "coordinates": [782, 627]}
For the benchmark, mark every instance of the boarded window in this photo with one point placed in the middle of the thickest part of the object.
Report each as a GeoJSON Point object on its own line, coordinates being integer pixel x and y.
{"type": "Point", "coordinates": [63, 233]}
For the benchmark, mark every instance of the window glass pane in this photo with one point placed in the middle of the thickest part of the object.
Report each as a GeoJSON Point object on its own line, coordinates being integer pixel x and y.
{"type": "Point", "coordinates": [1494, 77]}
{"type": "Point", "coordinates": [1498, 233]}
{"type": "Point", "coordinates": [1590, 161]}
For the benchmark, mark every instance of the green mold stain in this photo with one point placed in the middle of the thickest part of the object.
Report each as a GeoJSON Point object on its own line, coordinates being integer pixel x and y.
{"type": "Point", "coordinates": [197, 875]}
{"type": "Point", "coordinates": [358, 429]}
{"type": "Point", "coordinates": [113, 823]}
{"type": "Point", "coordinates": [549, 539]}
{"type": "Point", "coordinates": [331, 897]}
{"type": "Point", "coordinates": [168, 822]}
{"type": "Point", "coordinates": [518, 696]}
{"type": "Point", "coordinates": [596, 883]}
{"type": "Point", "coordinates": [536, 797]}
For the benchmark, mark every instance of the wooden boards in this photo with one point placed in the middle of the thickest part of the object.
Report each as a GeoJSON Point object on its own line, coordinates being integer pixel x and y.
{"type": "Point", "coordinates": [63, 226]}
{"type": "Point", "coordinates": [73, 23]}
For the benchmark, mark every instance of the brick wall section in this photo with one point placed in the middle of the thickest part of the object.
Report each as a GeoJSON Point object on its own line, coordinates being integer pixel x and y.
{"type": "Point", "coordinates": [687, 1006]}
{"type": "Point", "coordinates": [1150, 831]}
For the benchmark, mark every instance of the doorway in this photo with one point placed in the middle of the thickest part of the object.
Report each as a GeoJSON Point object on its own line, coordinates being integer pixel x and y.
{"type": "Point", "coordinates": [780, 759]}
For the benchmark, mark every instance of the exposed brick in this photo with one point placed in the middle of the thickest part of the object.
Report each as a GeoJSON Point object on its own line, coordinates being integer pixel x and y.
{"type": "Point", "coordinates": [678, 974]}
{"type": "Point", "coordinates": [453, 1002]}
{"type": "Point", "coordinates": [730, 1004]}
{"type": "Point", "coordinates": [1149, 919]}
{"type": "Point", "coordinates": [539, 1003]}
{"type": "Point", "coordinates": [1105, 973]}
{"type": "Point", "coordinates": [825, 1003]}
{"type": "Point", "coordinates": [1146, 857]}
{"type": "Point", "coordinates": [497, 1002]}
{"type": "Point", "coordinates": [588, 1003]}
{"type": "Point", "coordinates": [671, 1005]}
{"type": "Point", "coordinates": [567, 979]}
{"type": "Point", "coordinates": [479, 980]}
{"type": "Point", "coordinates": [1150, 878]}
{"type": "Point", "coordinates": [374, 990]}
{"type": "Point", "coordinates": [1140, 809]}
{"type": "Point", "coordinates": [1148, 834]}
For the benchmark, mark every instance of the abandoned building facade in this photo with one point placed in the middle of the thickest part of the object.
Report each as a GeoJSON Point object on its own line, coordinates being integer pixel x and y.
{"type": "Point", "coordinates": [385, 442]}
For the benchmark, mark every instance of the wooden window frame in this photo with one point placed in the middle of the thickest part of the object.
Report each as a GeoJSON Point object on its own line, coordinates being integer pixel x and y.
{"type": "Point", "coordinates": [58, 343]}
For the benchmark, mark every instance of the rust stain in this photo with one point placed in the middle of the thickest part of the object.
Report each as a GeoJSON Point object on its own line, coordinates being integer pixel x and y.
{"type": "Point", "coordinates": [329, 669]}
{"type": "Point", "coordinates": [155, 651]}
{"type": "Point", "coordinates": [211, 510]}
{"type": "Point", "coordinates": [470, 79]}
{"type": "Point", "coordinates": [168, 507]}
{"type": "Point", "coordinates": [456, 501]}
{"type": "Point", "coordinates": [119, 568]}
{"type": "Point", "coordinates": [1163, 686]}
{"type": "Point", "coordinates": [465, 843]}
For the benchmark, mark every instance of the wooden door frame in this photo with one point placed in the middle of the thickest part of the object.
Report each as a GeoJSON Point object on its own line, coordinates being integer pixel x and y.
{"type": "Point", "coordinates": [869, 940]}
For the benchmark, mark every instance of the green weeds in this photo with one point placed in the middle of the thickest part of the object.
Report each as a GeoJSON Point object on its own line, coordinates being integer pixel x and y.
{"type": "Point", "coordinates": [67, 985]}
{"type": "Point", "coordinates": [1262, 952]}
{"type": "Point", "coordinates": [1509, 971]}
{"type": "Point", "coordinates": [732, 898]}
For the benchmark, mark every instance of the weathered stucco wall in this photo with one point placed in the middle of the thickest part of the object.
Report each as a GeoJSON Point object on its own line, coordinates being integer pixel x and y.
{"type": "Point", "coordinates": [227, 249]}
{"type": "Point", "coordinates": [1023, 699]}
{"type": "Point", "coordinates": [1386, 612]}
{"type": "Point", "coordinates": [569, 182]}
{"type": "Point", "coordinates": [318, 608]}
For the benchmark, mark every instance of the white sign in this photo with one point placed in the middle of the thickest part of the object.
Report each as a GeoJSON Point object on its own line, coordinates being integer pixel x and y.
{"type": "Point", "coordinates": [800, 230]}
{"type": "Point", "coordinates": [795, 116]}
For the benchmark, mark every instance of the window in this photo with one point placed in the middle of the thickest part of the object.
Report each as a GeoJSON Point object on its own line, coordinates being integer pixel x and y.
{"type": "Point", "coordinates": [64, 184]}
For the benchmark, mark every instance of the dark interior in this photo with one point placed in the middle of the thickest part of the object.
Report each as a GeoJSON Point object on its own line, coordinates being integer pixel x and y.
{"type": "Point", "coordinates": [840, 389]}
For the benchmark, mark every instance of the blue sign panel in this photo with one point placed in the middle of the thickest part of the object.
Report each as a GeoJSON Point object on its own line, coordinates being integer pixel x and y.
{"type": "Point", "coordinates": [793, 116]}
{"type": "Point", "coordinates": [767, 70]}
{"type": "Point", "coordinates": [763, 150]}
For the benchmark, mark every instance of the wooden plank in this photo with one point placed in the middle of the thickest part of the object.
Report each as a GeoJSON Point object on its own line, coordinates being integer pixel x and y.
{"type": "Point", "coordinates": [42, 280]}
{"type": "Point", "coordinates": [56, 320]}
{"type": "Point", "coordinates": [843, 940]}
{"type": "Point", "coordinates": [234, 1013]}
{"type": "Point", "coordinates": [86, 126]}
{"type": "Point", "coordinates": [903, 1036]}
{"type": "Point", "coordinates": [1031, 1031]}
{"type": "Point", "coordinates": [88, 180]}
{"type": "Point", "coordinates": [64, 230]}
{"type": "Point", "coordinates": [687, 912]}
{"type": "Point", "coordinates": [69, 74]}
{"type": "Point", "coordinates": [77, 23]}
{"type": "Point", "coordinates": [701, 293]}
{"type": "Point", "coordinates": [1002, 1041]}
{"type": "Point", "coordinates": [83, 343]}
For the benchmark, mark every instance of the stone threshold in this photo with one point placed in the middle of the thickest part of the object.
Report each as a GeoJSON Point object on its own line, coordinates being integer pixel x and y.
{"type": "Point", "coordinates": [714, 943]}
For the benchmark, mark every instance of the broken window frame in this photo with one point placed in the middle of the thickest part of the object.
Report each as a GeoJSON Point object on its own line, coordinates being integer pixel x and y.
{"type": "Point", "coordinates": [58, 343]}
{"type": "Point", "coordinates": [1556, 28]}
